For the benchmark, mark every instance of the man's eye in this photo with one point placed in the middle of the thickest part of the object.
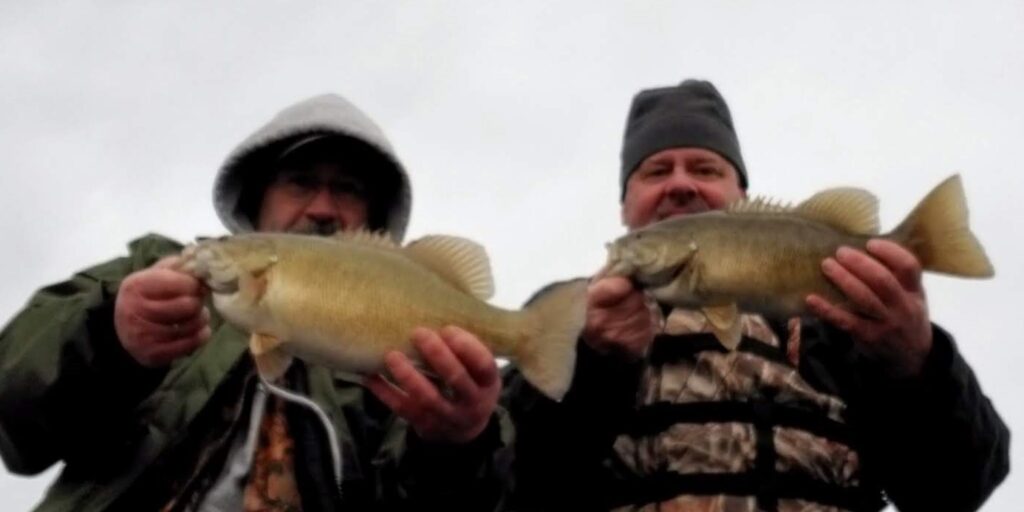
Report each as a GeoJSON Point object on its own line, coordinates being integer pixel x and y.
{"type": "Point", "coordinates": [655, 171]}
{"type": "Point", "coordinates": [708, 171]}
{"type": "Point", "coordinates": [348, 187]}
{"type": "Point", "coordinates": [300, 181]}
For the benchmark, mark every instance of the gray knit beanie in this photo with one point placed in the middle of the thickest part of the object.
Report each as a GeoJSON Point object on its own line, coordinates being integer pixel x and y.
{"type": "Point", "coordinates": [691, 114]}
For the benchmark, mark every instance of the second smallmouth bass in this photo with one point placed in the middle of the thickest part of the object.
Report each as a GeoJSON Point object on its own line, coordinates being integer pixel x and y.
{"type": "Point", "coordinates": [757, 256]}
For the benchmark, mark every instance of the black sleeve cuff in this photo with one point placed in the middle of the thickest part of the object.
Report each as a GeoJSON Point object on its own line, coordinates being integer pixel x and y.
{"type": "Point", "coordinates": [940, 377]}
{"type": "Point", "coordinates": [113, 365]}
{"type": "Point", "coordinates": [447, 459]}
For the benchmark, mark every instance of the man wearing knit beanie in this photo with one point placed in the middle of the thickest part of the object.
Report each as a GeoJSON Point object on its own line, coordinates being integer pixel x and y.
{"type": "Point", "coordinates": [691, 114]}
{"type": "Point", "coordinates": [837, 412]}
{"type": "Point", "coordinates": [685, 131]}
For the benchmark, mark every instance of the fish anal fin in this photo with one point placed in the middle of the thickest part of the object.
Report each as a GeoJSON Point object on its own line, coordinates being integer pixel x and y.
{"type": "Point", "coordinates": [726, 324]}
{"type": "Point", "coordinates": [271, 361]}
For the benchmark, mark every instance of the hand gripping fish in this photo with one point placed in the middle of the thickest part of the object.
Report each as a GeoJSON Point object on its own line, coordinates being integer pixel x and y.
{"type": "Point", "coordinates": [757, 256]}
{"type": "Point", "coordinates": [347, 300]}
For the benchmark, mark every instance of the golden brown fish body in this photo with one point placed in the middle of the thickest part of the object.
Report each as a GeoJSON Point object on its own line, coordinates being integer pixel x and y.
{"type": "Point", "coordinates": [760, 257]}
{"type": "Point", "coordinates": [762, 263]}
{"type": "Point", "coordinates": [344, 302]}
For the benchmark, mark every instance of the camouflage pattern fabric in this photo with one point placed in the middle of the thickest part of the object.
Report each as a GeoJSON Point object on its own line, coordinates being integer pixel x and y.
{"type": "Point", "coordinates": [271, 486]}
{"type": "Point", "coordinates": [721, 448]}
{"type": "Point", "coordinates": [725, 504]}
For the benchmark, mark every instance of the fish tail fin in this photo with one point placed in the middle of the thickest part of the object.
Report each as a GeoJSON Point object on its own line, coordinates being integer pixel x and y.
{"type": "Point", "coordinates": [271, 361]}
{"type": "Point", "coordinates": [548, 358]}
{"type": "Point", "coordinates": [938, 234]}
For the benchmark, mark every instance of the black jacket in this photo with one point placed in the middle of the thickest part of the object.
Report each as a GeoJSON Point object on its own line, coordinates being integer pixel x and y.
{"type": "Point", "coordinates": [934, 443]}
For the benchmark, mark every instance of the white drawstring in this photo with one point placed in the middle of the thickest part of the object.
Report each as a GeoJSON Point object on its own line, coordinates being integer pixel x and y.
{"type": "Point", "coordinates": [332, 436]}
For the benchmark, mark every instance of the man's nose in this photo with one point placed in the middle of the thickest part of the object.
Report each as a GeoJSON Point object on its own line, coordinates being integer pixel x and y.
{"type": "Point", "coordinates": [680, 184]}
{"type": "Point", "coordinates": [322, 206]}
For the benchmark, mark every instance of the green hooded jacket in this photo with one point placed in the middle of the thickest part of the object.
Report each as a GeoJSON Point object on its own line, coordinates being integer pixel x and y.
{"type": "Point", "coordinates": [70, 393]}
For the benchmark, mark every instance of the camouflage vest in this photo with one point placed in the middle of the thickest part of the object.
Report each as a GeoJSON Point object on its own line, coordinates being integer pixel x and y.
{"type": "Point", "coordinates": [720, 430]}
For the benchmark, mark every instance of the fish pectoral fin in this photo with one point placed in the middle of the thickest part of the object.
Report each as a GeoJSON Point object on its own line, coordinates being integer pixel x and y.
{"type": "Point", "coordinates": [461, 262]}
{"type": "Point", "coordinates": [251, 287]}
{"type": "Point", "coordinates": [271, 361]}
{"type": "Point", "coordinates": [726, 324]}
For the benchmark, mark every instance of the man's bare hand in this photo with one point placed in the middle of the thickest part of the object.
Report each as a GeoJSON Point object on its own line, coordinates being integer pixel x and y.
{"type": "Point", "coordinates": [468, 370]}
{"type": "Point", "coordinates": [888, 313]}
{"type": "Point", "coordinates": [159, 314]}
{"type": "Point", "coordinates": [619, 321]}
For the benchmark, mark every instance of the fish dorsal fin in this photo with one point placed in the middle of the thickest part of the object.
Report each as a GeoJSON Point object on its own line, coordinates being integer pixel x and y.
{"type": "Point", "coordinates": [365, 237]}
{"type": "Point", "coordinates": [853, 210]}
{"type": "Point", "coordinates": [758, 205]}
{"type": "Point", "coordinates": [461, 262]}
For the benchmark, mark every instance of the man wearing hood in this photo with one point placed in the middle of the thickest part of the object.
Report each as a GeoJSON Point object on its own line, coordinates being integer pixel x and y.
{"type": "Point", "coordinates": [151, 401]}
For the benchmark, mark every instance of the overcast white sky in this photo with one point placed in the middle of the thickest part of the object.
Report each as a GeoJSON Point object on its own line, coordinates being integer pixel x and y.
{"type": "Point", "coordinates": [509, 118]}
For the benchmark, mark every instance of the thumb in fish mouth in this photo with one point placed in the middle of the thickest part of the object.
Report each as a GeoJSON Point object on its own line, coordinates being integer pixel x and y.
{"type": "Point", "coordinates": [616, 269]}
{"type": "Point", "coordinates": [615, 265]}
{"type": "Point", "coordinates": [197, 262]}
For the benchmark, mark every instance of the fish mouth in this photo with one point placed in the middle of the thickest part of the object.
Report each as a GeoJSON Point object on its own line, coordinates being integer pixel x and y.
{"type": "Point", "coordinates": [222, 287]}
{"type": "Point", "coordinates": [663, 277]}
{"type": "Point", "coordinates": [676, 273]}
{"type": "Point", "coordinates": [645, 267]}
{"type": "Point", "coordinates": [616, 264]}
{"type": "Point", "coordinates": [222, 279]}
{"type": "Point", "coordinates": [207, 265]}
{"type": "Point", "coordinates": [639, 264]}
